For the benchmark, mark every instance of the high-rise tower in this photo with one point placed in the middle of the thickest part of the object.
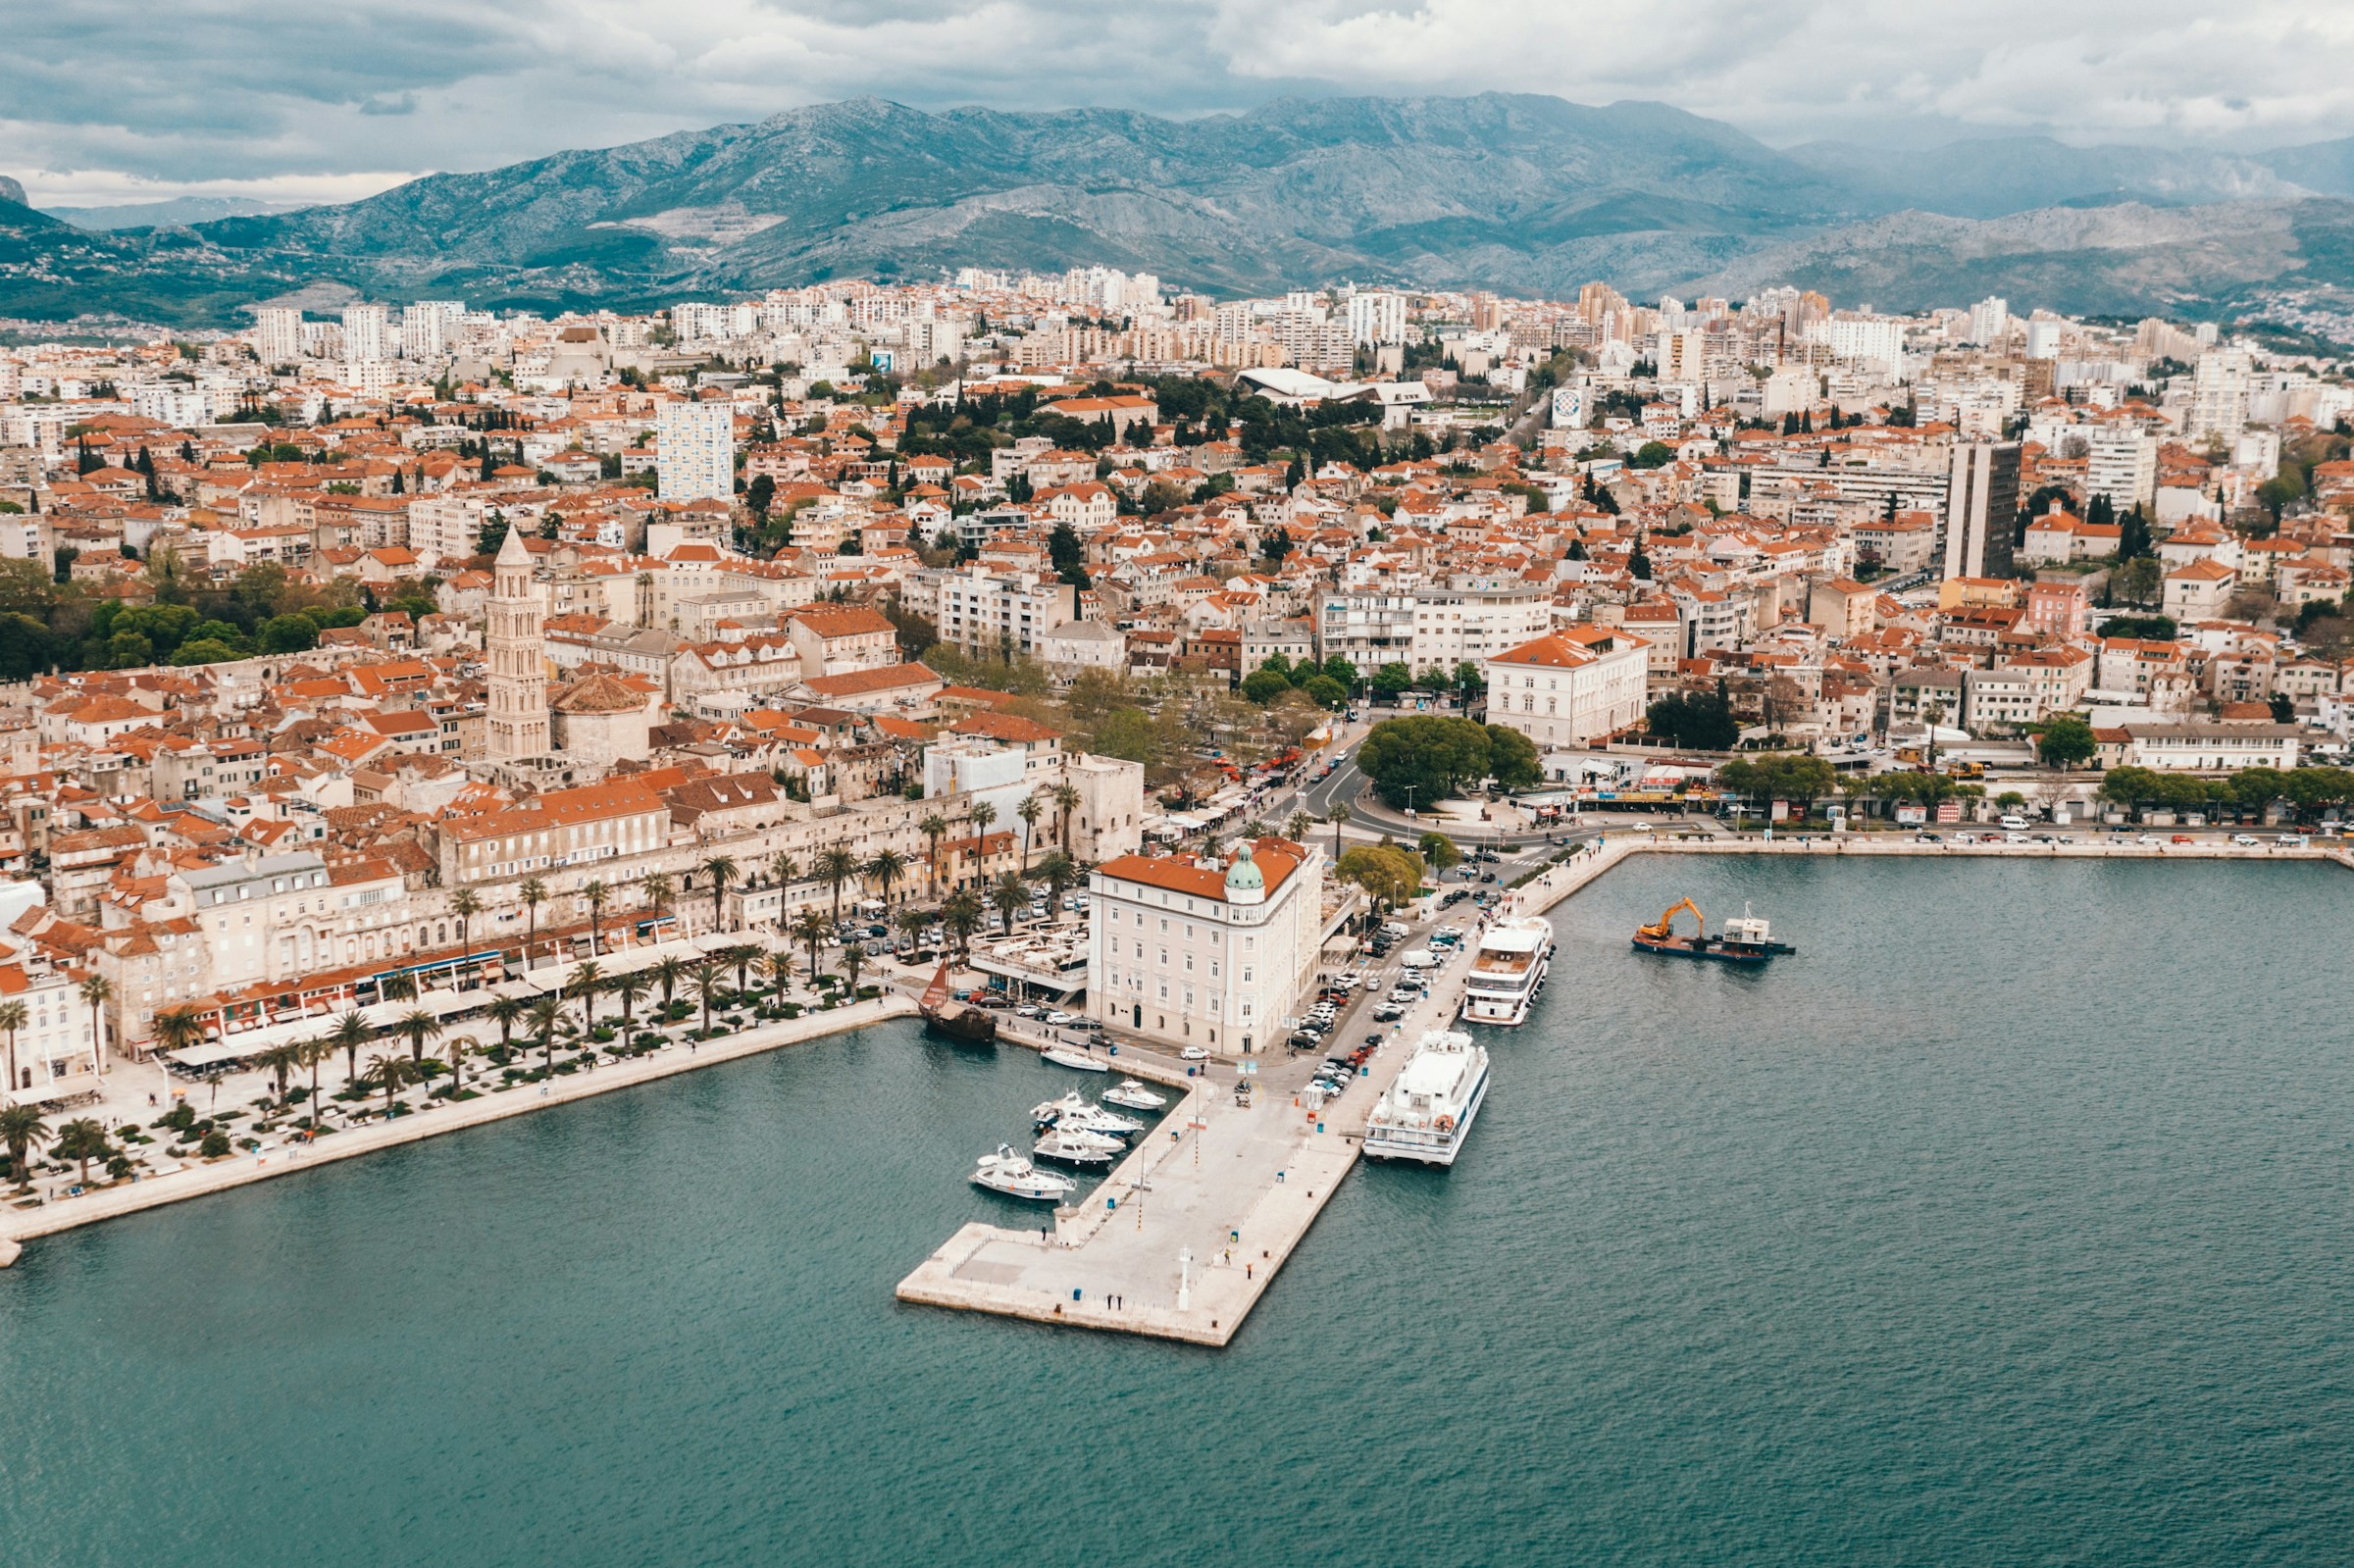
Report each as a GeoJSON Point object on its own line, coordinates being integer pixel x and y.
{"type": "Point", "coordinates": [517, 720]}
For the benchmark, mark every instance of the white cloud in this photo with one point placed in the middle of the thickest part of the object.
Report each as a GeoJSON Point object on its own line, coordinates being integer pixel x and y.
{"type": "Point", "coordinates": [241, 92]}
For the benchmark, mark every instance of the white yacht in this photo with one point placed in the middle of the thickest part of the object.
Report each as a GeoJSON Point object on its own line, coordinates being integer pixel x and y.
{"type": "Point", "coordinates": [1133, 1095]}
{"type": "Point", "coordinates": [1008, 1173]}
{"type": "Point", "coordinates": [1509, 971]}
{"type": "Point", "coordinates": [1064, 1056]}
{"type": "Point", "coordinates": [1070, 1146]}
{"type": "Point", "coordinates": [1426, 1113]}
{"type": "Point", "coordinates": [1074, 1112]}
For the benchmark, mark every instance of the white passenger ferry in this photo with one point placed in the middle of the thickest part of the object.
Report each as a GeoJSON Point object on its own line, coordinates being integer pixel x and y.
{"type": "Point", "coordinates": [1509, 971]}
{"type": "Point", "coordinates": [1427, 1110]}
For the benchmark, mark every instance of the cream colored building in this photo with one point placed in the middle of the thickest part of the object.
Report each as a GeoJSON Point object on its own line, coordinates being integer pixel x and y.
{"type": "Point", "coordinates": [1187, 951]}
{"type": "Point", "coordinates": [1570, 686]}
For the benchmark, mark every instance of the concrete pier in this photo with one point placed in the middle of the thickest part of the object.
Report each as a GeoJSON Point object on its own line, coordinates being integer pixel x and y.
{"type": "Point", "coordinates": [1237, 1191]}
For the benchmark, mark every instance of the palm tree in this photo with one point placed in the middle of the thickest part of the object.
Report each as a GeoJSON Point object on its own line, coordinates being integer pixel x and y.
{"type": "Point", "coordinates": [178, 1028]}
{"type": "Point", "coordinates": [888, 867]}
{"type": "Point", "coordinates": [1057, 871]}
{"type": "Point", "coordinates": [836, 866]}
{"type": "Point", "coordinates": [705, 979]}
{"type": "Point", "coordinates": [631, 988]}
{"type": "Point", "coordinates": [586, 981]}
{"type": "Point", "coordinates": [854, 959]}
{"type": "Point", "coordinates": [454, 1053]}
{"type": "Point", "coordinates": [667, 975]}
{"type": "Point", "coordinates": [782, 867]}
{"type": "Point", "coordinates": [1010, 895]}
{"type": "Point", "coordinates": [534, 893]}
{"type": "Point", "coordinates": [464, 903]}
{"type": "Point", "coordinates": [779, 965]}
{"type": "Point", "coordinates": [1339, 814]}
{"type": "Point", "coordinates": [912, 923]}
{"type": "Point", "coordinates": [97, 991]}
{"type": "Point", "coordinates": [313, 1051]}
{"type": "Point", "coordinates": [82, 1141]}
{"type": "Point", "coordinates": [279, 1060]}
{"type": "Point", "coordinates": [934, 827]}
{"type": "Point", "coordinates": [961, 915]}
{"type": "Point", "coordinates": [1295, 827]}
{"type": "Point", "coordinates": [595, 895]}
{"type": "Point", "coordinates": [1030, 810]}
{"type": "Point", "coordinates": [419, 1026]}
{"type": "Point", "coordinates": [506, 1012]}
{"type": "Point", "coordinates": [392, 1072]}
{"type": "Point", "coordinates": [722, 871]}
{"type": "Point", "coordinates": [546, 1013]}
{"type": "Point", "coordinates": [400, 987]}
{"type": "Point", "coordinates": [1065, 795]}
{"type": "Point", "coordinates": [351, 1032]}
{"type": "Point", "coordinates": [658, 893]}
{"type": "Point", "coordinates": [20, 1126]}
{"type": "Point", "coordinates": [812, 927]}
{"type": "Point", "coordinates": [13, 1017]}
{"type": "Point", "coordinates": [982, 814]}
{"type": "Point", "coordinates": [740, 957]}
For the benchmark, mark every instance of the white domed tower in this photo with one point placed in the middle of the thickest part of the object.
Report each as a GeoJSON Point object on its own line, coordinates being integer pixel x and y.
{"type": "Point", "coordinates": [1246, 883]}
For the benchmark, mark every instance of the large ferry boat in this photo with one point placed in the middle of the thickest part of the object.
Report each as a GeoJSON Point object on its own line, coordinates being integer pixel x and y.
{"type": "Point", "coordinates": [1426, 1113]}
{"type": "Point", "coordinates": [1509, 971]}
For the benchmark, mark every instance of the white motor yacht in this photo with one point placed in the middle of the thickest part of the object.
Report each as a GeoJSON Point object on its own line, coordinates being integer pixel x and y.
{"type": "Point", "coordinates": [1427, 1111]}
{"type": "Point", "coordinates": [1134, 1095]}
{"type": "Point", "coordinates": [1509, 971]}
{"type": "Point", "coordinates": [1008, 1173]}
{"type": "Point", "coordinates": [1076, 1113]}
{"type": "Point", "coordinates": [1069, 1145]}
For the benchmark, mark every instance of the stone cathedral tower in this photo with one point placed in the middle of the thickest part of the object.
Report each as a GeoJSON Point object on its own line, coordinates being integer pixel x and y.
{"type": "Point", "coordinates": [517, 717]}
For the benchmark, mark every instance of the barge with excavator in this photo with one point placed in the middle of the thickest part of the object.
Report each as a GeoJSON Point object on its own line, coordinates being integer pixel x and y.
{"type": "Point", "coordinates": [1748, 938]}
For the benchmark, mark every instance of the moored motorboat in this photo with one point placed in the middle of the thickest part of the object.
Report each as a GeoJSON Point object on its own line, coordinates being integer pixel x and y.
{"type": "Point", "coordinates": [1064, 1056]}
{"type": "Point", "coordinates": [1134, 1095]}
{"type": "Point", "coordinates": [1008, 1173]}
{"type": "Point", "coordinates": [1075, 1112]}
{"type": "Point", "coordinates": [1069, 1145]}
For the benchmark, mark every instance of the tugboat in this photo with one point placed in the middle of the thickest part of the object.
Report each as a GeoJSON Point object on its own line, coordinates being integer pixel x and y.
{"type": "Point", "coordinates": [954, 1021]}
{"type": "Point", "coordinates": [1746, 940]}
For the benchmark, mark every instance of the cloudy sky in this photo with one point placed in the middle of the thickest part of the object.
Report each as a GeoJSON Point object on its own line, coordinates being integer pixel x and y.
{"type": "Point", "coordinates": [125, 100]}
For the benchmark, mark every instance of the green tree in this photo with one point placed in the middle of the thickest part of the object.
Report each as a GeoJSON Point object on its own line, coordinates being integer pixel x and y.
{"type": "Point", "coordinates": [1263, 687]}
{"type": "Point", "coordinates": [19, 1127]}
{"type": "Point", "coordinates": [1392, 682]}
{"type": "Point", "coordinates": [1325, 691]}
{"type": "Point", "coordinates": [1699, 723]}
{"type": "Point", "coordinates": [1439, 851]}
{"type": "Point", "coordinates": [1388, 874]}
{"type": "Point", "coordinates": [2064, 740]}
{"type": "Point", "coordinates": [1512, 758]}
{"type": "Point", "coordinates": [82, 1141]}
{"type": "Point", "coordinates": [1420, 760]}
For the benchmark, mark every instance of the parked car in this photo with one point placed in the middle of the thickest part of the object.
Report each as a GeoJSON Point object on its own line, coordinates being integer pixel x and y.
{"type": "Point", "coordinates": [2246, 840]}
{"type": "Point", "coordinates": [1029, 1010]}
{"type": "Point", "coordinates": [2184, 839]}
{"type": "Point", "coordinates": [1194, 1053]}
{"type": "Point", "coordinates": [1059, 1018]}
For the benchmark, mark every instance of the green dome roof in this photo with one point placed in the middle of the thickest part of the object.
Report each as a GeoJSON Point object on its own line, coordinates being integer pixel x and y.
{"type": "Point", "coordinates": [1243, 876]}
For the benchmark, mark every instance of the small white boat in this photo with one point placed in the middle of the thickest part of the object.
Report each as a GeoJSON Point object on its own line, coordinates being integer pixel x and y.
{"type": "Point", "coordinates": [1074, 1112]}
{"type": "Point", "coordinates": [1070, 1147]}
{"type": "Point", "coordinates": [1063, 1056]}
{"type": "Point", "coordinates": [1134, 1095]}
{"type": "Point", "coordinates": [1008, 1173]}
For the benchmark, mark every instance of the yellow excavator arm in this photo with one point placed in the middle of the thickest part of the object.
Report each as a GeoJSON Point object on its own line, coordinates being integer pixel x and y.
{"type": "Point", "coordinates": [1666, 926]}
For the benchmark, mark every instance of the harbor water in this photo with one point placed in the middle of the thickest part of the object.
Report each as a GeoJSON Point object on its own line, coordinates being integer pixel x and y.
{"type": "Point", "coordinates": [2005, 1222]}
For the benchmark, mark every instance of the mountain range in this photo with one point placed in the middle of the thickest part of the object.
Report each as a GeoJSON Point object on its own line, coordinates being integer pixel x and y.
{"type": "Point", "coordinates": [1524, 194]}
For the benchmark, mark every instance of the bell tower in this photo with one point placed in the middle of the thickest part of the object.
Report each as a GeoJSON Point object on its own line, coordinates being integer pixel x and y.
{"type": "Point", "coordinates": [518, 719]}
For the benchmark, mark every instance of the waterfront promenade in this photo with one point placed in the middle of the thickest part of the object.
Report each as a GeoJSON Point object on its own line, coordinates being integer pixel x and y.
{"type": "Point", "coordinates": [198, 1177]}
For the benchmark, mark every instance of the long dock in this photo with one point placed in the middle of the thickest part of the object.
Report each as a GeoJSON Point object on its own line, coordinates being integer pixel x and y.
{"type": "Point", "coordinates": [1182, 1239]}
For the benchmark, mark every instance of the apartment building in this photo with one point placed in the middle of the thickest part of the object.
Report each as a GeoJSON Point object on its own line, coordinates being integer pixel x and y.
{"type": "Point", "coordinates": [1431, 628]}
{"type": "Point", "coordinates": [1570, 686]}
{"type": "Point", "coordinates": [993, 612]}
{"type": "Point", "coordinates": [695, 451]}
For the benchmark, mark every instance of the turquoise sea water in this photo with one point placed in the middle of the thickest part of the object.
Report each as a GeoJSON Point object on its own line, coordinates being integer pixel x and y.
{"type": "Point", "coordinates": [2007, 1223]}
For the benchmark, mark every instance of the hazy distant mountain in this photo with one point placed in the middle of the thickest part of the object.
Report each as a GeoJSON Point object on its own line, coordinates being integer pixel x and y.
{"type": "Point", "coordinates": [160, 214]}
{"type": "Point", "coordinates": [1999, 177]}
{"type": "Point", "coordinates": [1520, 193]}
